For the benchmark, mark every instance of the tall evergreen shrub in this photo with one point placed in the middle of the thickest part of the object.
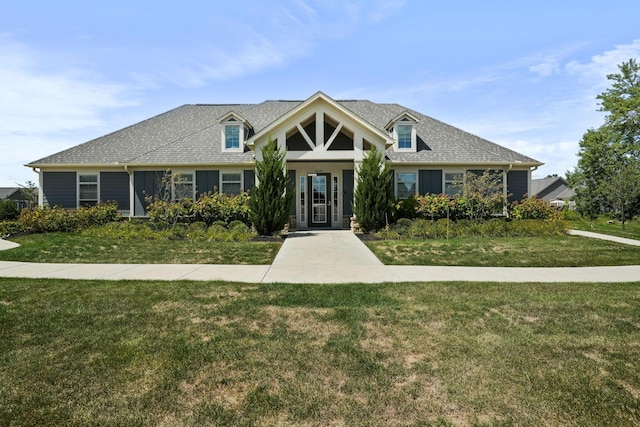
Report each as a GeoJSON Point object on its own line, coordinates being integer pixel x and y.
{"type": "Point", "coordinates": [373, 197]}
{"type": "Point", "coordinates": [271, 198]}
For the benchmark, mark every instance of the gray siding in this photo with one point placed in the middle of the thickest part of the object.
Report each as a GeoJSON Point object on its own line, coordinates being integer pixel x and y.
{"type": "Point", "coordinates": [430, 181]}
{"type": "Point", "coordinates": [114, 186]}
{"type": "Point", "coordinates": [207, 182]}
{"type": "Point", "coordinates": [146, 183]}
{"type": "Point", "coordinates": [347, 192]}
{"type": "Point", "coordinates": [249, 179]}
{"type": "Point", "coordinates": [517, 183]}
{"type": "Point", "coordinates": [59, 189]}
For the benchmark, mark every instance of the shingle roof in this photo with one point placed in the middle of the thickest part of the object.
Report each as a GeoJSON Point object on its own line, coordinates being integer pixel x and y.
{"type": "Point", "coordinates": [192, 134]}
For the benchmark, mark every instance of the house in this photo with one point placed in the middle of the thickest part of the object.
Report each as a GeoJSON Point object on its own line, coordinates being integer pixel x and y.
{"type": "Point", "coordinates": [15, 194]}
{"type": "Point", "coordinates": [214, 148]}
{"type": "Point", "coordinates": [554, 190]}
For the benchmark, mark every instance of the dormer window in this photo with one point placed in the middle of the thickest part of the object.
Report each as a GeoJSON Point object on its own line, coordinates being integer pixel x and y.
{"type": "Point", "coordinates": [404, 137]}
{"type": "Point", "coordinates": [232, 137]}
{"type": "Point", "coordinates": [235, 131]}
{"type": "Point", "coordinates": [403, 129]}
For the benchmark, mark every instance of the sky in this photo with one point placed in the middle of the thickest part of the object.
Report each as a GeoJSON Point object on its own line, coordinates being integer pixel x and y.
{"type": "Point", "coordinates": [524, 74]}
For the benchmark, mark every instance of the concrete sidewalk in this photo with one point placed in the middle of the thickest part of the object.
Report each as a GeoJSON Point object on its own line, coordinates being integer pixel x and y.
{"type": "Point", "coordinates": [317, 257]}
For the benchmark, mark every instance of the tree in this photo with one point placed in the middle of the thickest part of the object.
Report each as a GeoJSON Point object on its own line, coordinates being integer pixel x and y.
{"type": "Point", "coordinates": [271, 198]}
{"type": "Point", "coordinates": [612, 151]}
{"type": "Point", "coordinates": [373, 197]}
{"type": "Point", "coordinates": [481, 195]}
{"type": "Point", "coordinates": [621, 190]}
{"type": "Point", "coordinates": [30, 194]}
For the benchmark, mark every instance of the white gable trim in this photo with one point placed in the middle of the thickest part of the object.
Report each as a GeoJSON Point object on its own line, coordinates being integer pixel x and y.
{"type": "Point", "coordinates": [317, 98]}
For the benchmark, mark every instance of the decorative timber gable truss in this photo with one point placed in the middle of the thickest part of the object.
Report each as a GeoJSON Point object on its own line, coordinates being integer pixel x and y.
{"type": "Point", "coordinates": [321, 129]}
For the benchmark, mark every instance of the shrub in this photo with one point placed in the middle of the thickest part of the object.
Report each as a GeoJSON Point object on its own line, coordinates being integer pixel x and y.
{"type": "Point", "coordinates": [8, 210]}
{"type": "Point", "coordinates": [9, 228]}
{"type": "Point", "coordinates": [373, 197]}
{"type": "Point", "coordinates": [421, 229]}
{"type": "Point", "coordinates": [210, 208]}
{"type": "Point", "coordinates": [46, 219]}
{"type": "Point", "coordinates": [406, 209]}
{"type": "Point", "coordinates": [532, 208]}
{"type": "Point", "coordinates": [494, 228]}
{"type": "Point", "coordinates": [217, 233]}
{"type": "Point", "coordinates": [434, 206]}
{"type": "Point", "coordinates": [272, 197]}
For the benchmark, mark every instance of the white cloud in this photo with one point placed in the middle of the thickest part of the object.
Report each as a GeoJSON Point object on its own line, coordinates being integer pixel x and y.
{"type": "Point", "coordinates": [594, 72]}
{"type": "Point", "coordinates": [38, 108]}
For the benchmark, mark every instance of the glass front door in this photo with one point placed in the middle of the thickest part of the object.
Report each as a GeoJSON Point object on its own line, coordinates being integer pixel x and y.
{"type": "Point", "coordinates": [319, 208]}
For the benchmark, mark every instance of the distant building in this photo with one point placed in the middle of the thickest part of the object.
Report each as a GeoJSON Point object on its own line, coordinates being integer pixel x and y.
{"type": "Point", "coordinates": [554, 190]}
{"type": "Point", "coordinates": [16, 194]}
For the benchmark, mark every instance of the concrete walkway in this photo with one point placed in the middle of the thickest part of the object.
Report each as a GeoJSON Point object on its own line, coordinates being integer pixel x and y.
{"type": "Point", "coordinates": [317, 257]}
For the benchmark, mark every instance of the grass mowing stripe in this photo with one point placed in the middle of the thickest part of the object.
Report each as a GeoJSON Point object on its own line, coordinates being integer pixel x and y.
{"type": "Point", "coordinates": [214, 353]}
{"type": "Point", "coordinates": [556, 251]}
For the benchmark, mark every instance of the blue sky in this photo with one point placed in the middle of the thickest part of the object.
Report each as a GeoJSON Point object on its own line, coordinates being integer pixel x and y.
{"type": "Point", "coordinates": [524, 74]}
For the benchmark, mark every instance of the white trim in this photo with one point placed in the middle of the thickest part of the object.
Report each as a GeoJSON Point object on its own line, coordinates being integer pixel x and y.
{"type": "Point", "coordinates": [97, 185]}
{"type": "Point", "coordinates": [397, 181]}
{"type": "Point", "coordinates": [241, 134]}
{"type": "Point", "coordinates": [224, 172]}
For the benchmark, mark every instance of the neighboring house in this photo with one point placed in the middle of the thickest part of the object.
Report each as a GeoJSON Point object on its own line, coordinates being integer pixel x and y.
{"type": "Point", "coordinates": [554, 190]}
{"type": "Point", "coordinates": [214, 148]}
{"type": "Point", "coordinates": [15, 194]}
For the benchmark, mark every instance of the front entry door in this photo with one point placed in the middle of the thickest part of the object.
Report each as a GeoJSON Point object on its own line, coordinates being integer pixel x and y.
{"type": "Point", "coordinates": [320, 206]}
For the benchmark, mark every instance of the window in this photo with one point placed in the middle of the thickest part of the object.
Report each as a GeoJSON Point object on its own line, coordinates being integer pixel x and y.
{"type": "Point", "coordinates": [87, 190]}
{"type": "Point", "coordinates": [404, 137]}
{"type": "Point", "coordinates": [405, 185]}
{"type": "Point", "coordinates": [231, 184]}
{"type": "Point", "coordinates": [232, 137]}
{"type": "Point", "coordinates": [182, 186]}
{"type": "Point", "coordinates": [452, 183]}
{"type": "Point", "coordinates": [302, 206]}
{"type": "Point", "coordinates": [335, 199]}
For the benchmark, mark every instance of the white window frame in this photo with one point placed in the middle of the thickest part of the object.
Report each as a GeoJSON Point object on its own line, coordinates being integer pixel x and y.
{"type": "Point", "coordinates": [231, 122]}
{"type": "Point", "coordinates": [302, 205]}
{"type": "Point", "coordinates": [190, 175]}
{"type": "Point", "coordinates": [79, 201]}
{"type": "Point", "coordinates": [414, 136]}
{"type": "Point", "coordinates": [223, 182]}
{"type": "Point", "coordinates": [398, 182]}
{"type": "Point", "coordinates": [457, 175]}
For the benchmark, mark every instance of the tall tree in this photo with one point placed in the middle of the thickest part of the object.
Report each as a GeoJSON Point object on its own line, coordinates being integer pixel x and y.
{"type": "Point", "coordinates": [373, 197]}
{"type": "Point", "coordinates": [271, 199]}
{"type": "Point", "coordinates": [611, 151]}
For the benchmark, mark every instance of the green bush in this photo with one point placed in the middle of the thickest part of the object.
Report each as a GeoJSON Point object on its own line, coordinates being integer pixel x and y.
{"type": "Point", "coordinates": [9, 228]}
{"type": "Point", "coordinates": [405, 209]}
{"type": "Point", "coordinates": [532, 208]}
{"type": "Point", "coordinates": [373, 197]}
{"type": "Point", "coordinates": [208, 209]}
{"type": "Point", "coordinates": [494, 228]}
{"type": "Point", "coordinates": [434, 206]}
{"type": "Point", "coordinates": [8, 210]}
{"type": "Point", "coordinates": [47, 219]}
{"type": "Point", "coordinates": [217, 233]}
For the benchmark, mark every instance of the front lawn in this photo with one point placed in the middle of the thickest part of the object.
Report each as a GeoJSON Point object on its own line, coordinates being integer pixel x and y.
{"type": "Point", "coordinates": [546, 251]}
{"type": "Point", "coordinates": [79, 248]}
{"type": "Point", "coordinates": [607, 226]}
{"type": "Point", "coordinates": [82, 353]}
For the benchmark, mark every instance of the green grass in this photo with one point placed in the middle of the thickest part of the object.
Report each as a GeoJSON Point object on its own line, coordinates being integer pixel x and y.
{"type": "Point", "coordinates": [555, 251]}
{"type": "Point", "coordinates": [601, 225]}
{"type": "Point", "coordinates": [83, 353]}
{"type": "Point", "coordinates": [77, 248]}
